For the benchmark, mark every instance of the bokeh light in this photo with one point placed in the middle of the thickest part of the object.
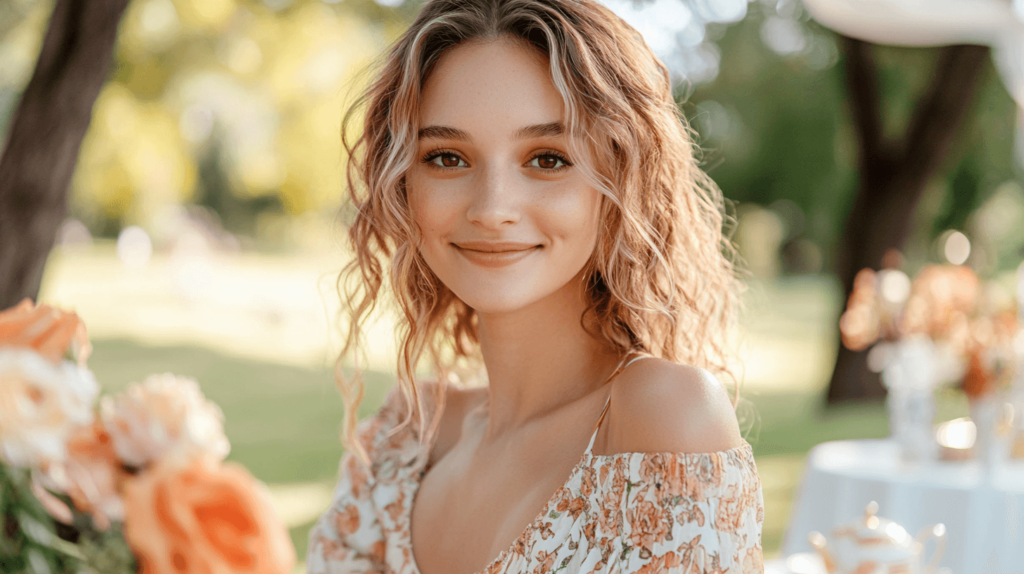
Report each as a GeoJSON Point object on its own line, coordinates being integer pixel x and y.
{"type": "Point", "coordinates": [956, 248]}
{"type": "Point", "coordinates": [134, 247]}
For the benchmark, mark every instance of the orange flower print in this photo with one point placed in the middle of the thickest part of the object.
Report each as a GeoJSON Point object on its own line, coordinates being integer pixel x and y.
{"type": "Point", "coordinates": [545, 530]}
{"type": "Point", "coordinates": [661, 564]}
{"type": "Point", "coordinates": [346, 522]}
{"type": "Point", "coordinates": [357, 476]}
{"type": "Point", "coordinates": [574, 505]}
{"type": "Point", "coordinates": [377, 551]}
{"type": "Point", "coordinates": [692, 514]}
{"type": "Point", "coordinates": [396, 508]}
{"type": "Point", "coordinates": [589, 531]}
{"type": "Point", "coordinates": [705, 474]}
{"type": "Point", "coordinates": [731, 508]}
{"type": "Point", "coordinates": [691, 554]}
{"type": "Point", "coordinates": [753, 561]}
{"type": "Point", "coordinates": [652, 468]}
{"type": "Point", "coordinates": [546, 562]}
{"type": "Point", "coordinates": [620, 474]}
{"type": "Point", "coordinates": [610, 516]}
{"type": "Point", "coordinates": [588, 481]}
{"type": "Point", "coordinates": [716, 566]}
{"type": "Point", "coordinates": [649, 524]}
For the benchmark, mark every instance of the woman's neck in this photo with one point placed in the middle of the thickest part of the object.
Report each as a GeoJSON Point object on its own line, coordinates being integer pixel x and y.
{"type": "Point", "coordinates": [540, 358]}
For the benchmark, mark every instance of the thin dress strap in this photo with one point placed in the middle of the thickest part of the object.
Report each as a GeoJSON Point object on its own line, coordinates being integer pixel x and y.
{"type": "Point", "coordinates": [622, 366]}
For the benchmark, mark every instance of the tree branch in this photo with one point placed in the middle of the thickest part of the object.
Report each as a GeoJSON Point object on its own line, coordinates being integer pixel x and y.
{"type": "Point", "coordinates": [862, 87]}
{"type": "Point", "coordinates": [942, 109]}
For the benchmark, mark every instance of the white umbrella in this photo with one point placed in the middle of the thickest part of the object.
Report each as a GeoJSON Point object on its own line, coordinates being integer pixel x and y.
{"type": "Point", "coordinates": [996, 23]}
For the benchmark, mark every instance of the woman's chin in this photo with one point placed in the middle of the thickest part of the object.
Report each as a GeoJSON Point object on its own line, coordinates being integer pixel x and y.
{"type": "Point", "coordinates": [497, 302]}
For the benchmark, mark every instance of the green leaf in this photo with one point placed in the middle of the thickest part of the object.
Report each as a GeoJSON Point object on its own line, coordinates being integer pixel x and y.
{"type": "Point", "coordinates": [43, 535]}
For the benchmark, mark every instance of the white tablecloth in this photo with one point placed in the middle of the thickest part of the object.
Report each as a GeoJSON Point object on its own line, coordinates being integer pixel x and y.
{"type": "Point", "coordinates": [982, 513]}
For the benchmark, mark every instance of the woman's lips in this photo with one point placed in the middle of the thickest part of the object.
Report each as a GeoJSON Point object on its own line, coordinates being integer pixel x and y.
{"type": "Point", "coordinates": [495, 254]}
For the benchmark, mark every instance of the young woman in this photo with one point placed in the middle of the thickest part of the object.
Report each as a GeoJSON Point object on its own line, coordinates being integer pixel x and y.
{"type": "Point", "coordinates": [525, 190]}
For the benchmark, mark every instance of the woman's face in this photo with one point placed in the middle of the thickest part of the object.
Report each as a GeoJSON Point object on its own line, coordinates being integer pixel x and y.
{"type": "Point", "coordinates": [506, 218]}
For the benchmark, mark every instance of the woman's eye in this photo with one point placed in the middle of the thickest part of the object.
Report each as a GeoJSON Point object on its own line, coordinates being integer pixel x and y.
{"type": "Point", "coordinates": [447, 160]}
{"type": "Point", "coordinates": [548, 161]}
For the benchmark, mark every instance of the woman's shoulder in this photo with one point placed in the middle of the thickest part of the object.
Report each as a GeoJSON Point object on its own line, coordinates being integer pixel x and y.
{"type": "Point", "coordinates": [661, 406]}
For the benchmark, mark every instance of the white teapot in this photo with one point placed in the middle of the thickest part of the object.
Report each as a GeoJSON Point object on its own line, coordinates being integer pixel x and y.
{"type": "Point", "coordinates": [878, 546]}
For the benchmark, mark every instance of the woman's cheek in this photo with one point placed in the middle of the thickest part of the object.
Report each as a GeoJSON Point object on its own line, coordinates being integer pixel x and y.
{"type": "Point", "coordinates": [573, 213]}
{"type": "Point", "coordinates": [433, 210]}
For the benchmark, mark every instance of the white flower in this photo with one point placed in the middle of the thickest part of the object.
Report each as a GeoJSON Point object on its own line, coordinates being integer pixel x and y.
{"type": "Point", "coordinates": [40, 405]}
{"type": "Point", "coordinates": [165, 415]}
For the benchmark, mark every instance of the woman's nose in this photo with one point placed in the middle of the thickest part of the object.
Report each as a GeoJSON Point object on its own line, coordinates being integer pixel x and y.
{"type": "Point", "coordinates": [495, 200]}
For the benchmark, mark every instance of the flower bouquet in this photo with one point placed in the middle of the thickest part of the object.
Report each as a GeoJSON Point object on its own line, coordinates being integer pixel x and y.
{"type": "Point", "coordinates": [128, 483]}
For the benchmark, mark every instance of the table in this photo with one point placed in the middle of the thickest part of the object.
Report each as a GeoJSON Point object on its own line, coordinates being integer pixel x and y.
{"type": "Point", "coordinates": [982, 512]}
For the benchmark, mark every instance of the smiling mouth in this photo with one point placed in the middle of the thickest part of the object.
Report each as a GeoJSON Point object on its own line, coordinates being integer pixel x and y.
{"type": "Point", "coordinates": [495, 254]}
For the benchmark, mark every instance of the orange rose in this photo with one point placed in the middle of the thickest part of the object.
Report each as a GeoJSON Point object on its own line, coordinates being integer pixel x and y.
{"type": "Point", "coordinates": [48, 331]}
{"type": "Point", "coordinates": [204, 518]}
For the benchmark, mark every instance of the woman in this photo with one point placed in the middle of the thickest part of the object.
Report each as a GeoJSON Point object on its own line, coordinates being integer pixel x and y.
{"type": "Point", "coordinates": [525, 180]}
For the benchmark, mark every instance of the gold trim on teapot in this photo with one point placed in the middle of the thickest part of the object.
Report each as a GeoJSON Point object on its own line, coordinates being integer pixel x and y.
{"type": "Point", "coordinates": [876, 545]}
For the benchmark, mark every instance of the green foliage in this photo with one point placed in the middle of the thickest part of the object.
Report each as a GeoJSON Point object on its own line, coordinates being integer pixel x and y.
{"type": "Point", "coordinates": [29, 542]}
{"type": "Point", "coordinates": [32, 542]}
{"type": "Point", "coordinates": [787, 134]}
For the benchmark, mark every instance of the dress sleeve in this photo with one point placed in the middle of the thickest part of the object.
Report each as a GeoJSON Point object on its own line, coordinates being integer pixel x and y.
{"type": "Point", "coordinates": [348, 539]}
{"type": "Point", "coordinates": [693, 513]}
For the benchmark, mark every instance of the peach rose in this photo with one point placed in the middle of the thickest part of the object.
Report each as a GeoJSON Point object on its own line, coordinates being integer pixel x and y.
{"type": "Point", "coordinates": [93, 476]}
{"type": "Point", "coordinates": [163, 416]}
{"type": "Point", "coordinates": [204, 518]}
{"type": "Point", "coordinates": [41, 404]}
{"type": "Point", "coordinates": [49, 331]}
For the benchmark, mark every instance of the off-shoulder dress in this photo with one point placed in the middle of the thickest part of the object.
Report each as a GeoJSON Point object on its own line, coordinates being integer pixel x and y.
{"type": "Point", "coordinates": [630, 512]}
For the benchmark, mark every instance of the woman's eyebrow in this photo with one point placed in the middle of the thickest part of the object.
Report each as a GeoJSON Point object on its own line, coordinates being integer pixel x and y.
{"type": "Point", "coordinates": [535, 131]}
{"type": "Point", "coordinates": [443, 133]}
{"type": "Point", "coordinates": [540, 130]}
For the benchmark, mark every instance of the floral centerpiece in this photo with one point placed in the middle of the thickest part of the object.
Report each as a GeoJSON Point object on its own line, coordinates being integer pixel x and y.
{"type": "Point", "coordinates": [939, 328]}
{"type": "Point", "coordinates": [134, 482]}
{"type": "Point", "coordinates": [915, 330]}
{"type": "Point", "coordinates": [991, 366]}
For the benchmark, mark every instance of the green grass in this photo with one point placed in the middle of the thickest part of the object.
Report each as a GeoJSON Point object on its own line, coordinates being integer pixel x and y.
{"type": "Point", "coordinates": [283, 421]}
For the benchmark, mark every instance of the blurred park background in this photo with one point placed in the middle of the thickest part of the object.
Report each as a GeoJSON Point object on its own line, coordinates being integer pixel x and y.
{"type": "Point", "coordinates": [202, 233]}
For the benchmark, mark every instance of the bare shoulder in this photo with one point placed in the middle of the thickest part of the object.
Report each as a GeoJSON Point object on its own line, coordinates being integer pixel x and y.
{"type": "Point", "coordinates": [661, 406]}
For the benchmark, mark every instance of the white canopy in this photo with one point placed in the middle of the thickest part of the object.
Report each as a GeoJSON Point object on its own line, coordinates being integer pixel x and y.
{"type": "Point", "coordinates": [996, 23]}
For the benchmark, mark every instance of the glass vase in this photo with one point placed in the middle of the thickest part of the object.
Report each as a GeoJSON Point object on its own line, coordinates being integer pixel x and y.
{"type": "Point", "coordinates": [910, 375]}
{"type": "Point", "coordinates": [987, 414]}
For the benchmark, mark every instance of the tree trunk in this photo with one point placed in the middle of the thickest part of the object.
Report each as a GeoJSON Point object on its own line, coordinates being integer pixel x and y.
{"type": "Point", "coordinates": [893, 175]}
{"type": "Point", "coordinates": [45, 135]}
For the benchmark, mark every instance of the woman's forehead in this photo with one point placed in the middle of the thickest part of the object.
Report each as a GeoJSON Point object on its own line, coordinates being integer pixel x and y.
{"type": "Point", "coordinates": [493, 85]}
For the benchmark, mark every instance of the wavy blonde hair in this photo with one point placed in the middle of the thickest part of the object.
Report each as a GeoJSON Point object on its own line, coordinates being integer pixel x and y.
{"type": "Point", "coordinates": [663, 278]}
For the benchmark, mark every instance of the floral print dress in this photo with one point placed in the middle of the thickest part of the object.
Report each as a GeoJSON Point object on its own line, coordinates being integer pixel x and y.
{"type": "Point", "coordinates": [621, 513]}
